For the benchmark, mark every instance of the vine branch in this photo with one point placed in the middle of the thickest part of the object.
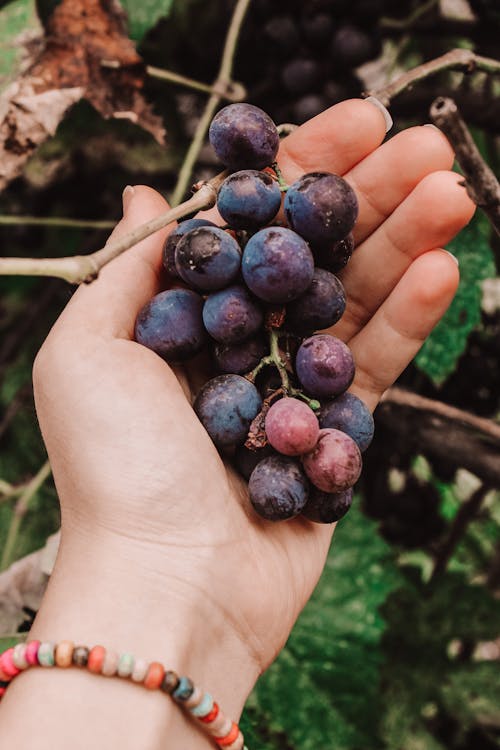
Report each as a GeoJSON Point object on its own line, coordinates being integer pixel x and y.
{"type": "Point", "coordinates": [480, 182]}
{"type": "Point", "coordinates": [222, 83]}
{"type": "Point", "coordinates": [456, 59]}
{"type": "Point", "coordinates": [20, 510]}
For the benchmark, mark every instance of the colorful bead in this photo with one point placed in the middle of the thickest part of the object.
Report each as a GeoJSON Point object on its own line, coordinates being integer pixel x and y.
{"type": "Point", "coordinates": [80, 656]}
{"type": "Point", "coordinates": [194, 699]}
{"type": "Point", "coordinates": [7, 663]}
{"type": "Point", "coordinates": [205, 707]}
{"type": "Point", "coordinates": [125, 665]}
{"type": "Point", "coordinates": [110, 663]}
{"type": "Point", "coordinates": [4, 677]}
{"type": "Point", "coordinates": [46, 654]}
{"type": "Point", "coordinates": [32, 653]}
{"type": "Point", "coordinates": [154, 676]}
{"type": "Point", "coordinates": [230, 737]}
{"type": "Point", "coordinates": [140, 670]}
{"type": "Point", "coordinates": [170, 682]}
{"type": "Point", "coordinates": [211, 716]}
{"type": "Point", "coordinates": [220, 726]}
{"type": "Point", "coordinates": [184, 690]}
{"type": "Point", "coordinates": [96, 659]}
{"type": "Point", "coordinates": [237, 744]}
{"type": "Point", "coordinates": [64, 654]}
{"type": "Point", "coordinates": [19, 656]}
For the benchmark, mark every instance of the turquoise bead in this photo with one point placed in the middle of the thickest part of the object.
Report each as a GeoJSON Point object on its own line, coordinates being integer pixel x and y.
{"type": "Point", "coordinates": [46, 654]}
{"type": "Point", "coordinates": [184, 689]}
{"type": "Point", "coordinates": [203, 708]}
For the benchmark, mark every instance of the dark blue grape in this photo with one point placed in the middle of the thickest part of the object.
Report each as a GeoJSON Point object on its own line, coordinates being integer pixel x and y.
{"type": "Point", "coordinates": [283, 35]}
{"type": "Point", "coordinates": [318, 29]}
{"type": "Point", "coordinates": [307, 107]}
{"type": "Point", "coordinates": [249, 199]}
{"type": "Point", "coordinates": [278, 488]}
{"type": "Point", "coordinates": [240, 358]}
{"type": "Point", "coordinates": [351, 46]}
{"type": "Point", "coordinates": [244, 136]}
{"type": "Point", "coordinates": [173, 239]}
{"type": "Point", "coordinates": [246, 460]}
{"type": "Point", "coordinates": [300, 76]}
{"type": "Point", "coordinates": [324, 365]}
{"type": "Point", "coordinates": [207, 258]}
{"type": "Point", "coordinates": [277, 265]}
{"type": "Point", "coordinates": [351, 415]}
{"type": "Point", "coordinates": [226, 407]}
{"type": "Point", "coordinates": [232, 315]}
{"type": "Point", "coordinates": [321, 305]}
{"type": "Point", "coordinates": [171, 325]}
{"type": "Point", "coordinates": [321, 207]}
{"type": "Point", "coordinates": [325, 507]}
{"type": "Point", "coordinates": [335, 257]}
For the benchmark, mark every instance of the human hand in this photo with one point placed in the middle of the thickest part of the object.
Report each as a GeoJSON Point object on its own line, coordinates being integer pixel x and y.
{"type": "Point", "coordinates": [139, 479]}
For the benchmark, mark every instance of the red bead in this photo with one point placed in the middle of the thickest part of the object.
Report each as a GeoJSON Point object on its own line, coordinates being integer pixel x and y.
{"type": "Point", "coordinates": [229, 738]}
{"type": "Point", "coordinates": [154, 676]}
{"type": "Point", "coordinates": [4, 677]}
{"type": "Point", "coordinates": [7, 664]}
{"type": "Point", "coordinates": [96, 659]}
{"type": "Point", "coordinates": [211, 716]}
{"type": "Point", "coordinates": [32, 653]}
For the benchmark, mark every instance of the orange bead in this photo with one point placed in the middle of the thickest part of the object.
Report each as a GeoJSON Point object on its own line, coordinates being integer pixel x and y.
{"type": "Point", "coordinates": [96, 659]}
{"type": "Point", "coordinates": [154, 676]}
{"type": "Point", "coordinates": [64, 653]}
{"type": "Point", "coordinates": [211, 716]}
{"type": "Point", "coordinates": [229, 738]}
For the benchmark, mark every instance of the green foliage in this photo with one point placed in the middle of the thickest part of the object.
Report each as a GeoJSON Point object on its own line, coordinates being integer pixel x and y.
{"type": "Point", "coordinates": [324, 688]}
{"type": "Point", "coordinates": [440, 353]}
{"type": "Point", "coordinates": [428, 625]}
{"type": "Point", "coordinates": [19, 25]}
{"type": "Point", "coordinates": [142, 16]}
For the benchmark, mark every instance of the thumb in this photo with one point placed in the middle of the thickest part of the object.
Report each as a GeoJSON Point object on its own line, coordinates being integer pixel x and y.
{"type": "Point", "coordinates": [109, 305]}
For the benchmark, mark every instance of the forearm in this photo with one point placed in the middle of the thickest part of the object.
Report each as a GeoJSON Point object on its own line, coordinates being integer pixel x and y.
{"type": "Point", "coordinates": [124, 602]}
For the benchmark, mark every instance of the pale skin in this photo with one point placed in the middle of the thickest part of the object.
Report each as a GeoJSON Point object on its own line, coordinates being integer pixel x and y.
{"type": "Point", "coordinates": [161, 554]}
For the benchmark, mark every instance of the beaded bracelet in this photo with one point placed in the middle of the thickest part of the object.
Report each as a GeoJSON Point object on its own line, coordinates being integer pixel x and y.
{"type": "Point", "coordinates": [153, 676]}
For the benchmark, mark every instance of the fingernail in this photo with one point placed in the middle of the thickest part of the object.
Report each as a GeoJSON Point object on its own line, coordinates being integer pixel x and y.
{"type": "Point", "coordinates": [378, 104]}
{"type": "Point", "coordinates": [431, 125]}
{"type": "Point", "coordinates": [453, 256]}
{"type": "Point", "coordinates": [127, 197]}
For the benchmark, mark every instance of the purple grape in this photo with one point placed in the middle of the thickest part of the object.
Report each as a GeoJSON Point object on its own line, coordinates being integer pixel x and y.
{"type": "Point", "coordinates": [335, 463]}
{"type": "Point", "coordinates": [240, 358]}
{"type": "Point", "coordinates": [325, 507]}
{"type": "Point", "coordinates": [321, 305]}
{"type": "Point", "coordinates": [231, 315]}
{"type": "Point", "coordinates": [171, 325]}
{"type": "Point", "coordinates": [321, 207]}
{"type": "Point", "coordinates": [282, 33]}
{"type": "Point", "coordinates": [277, 265]}
{"type": "Point", "coordinates": [351, 46]}
{"type": "Point", "coordinates": [351, 415]}
{"type": "Point", "coordinates": [246, 460]}
{"type": "Point", "coordinates": [324, 366]}
{"type": "Point", "coordinates": [318, 29]}
{"type": "Point", "coordinates": [278, 488]}
{"type": "Point", "coordinates": [226, 407]}
{"type": "Point", "coordinates": [308, 107]}
{"type": "Point", "coordinates": [300, 75]}
{"type": "Point", "coordinates": [207, 258]}
{"type": "Point", "coordinates": [335, 257]}
{"type": "Point", "coordinates": [292, 427]}
{"type": "Point", "coordinates": [244, 136]}
{"type": "Point", "coordinates": [173, 239]}
{"type": "Point", "coordinates": [249, 199]}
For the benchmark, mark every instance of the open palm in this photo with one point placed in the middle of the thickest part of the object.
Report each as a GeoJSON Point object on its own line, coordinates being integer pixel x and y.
{"type": "Point", "coordinates": [130, 458]}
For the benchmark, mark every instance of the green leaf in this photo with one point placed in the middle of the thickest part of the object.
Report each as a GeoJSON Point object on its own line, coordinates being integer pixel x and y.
{"type": "Point", "coordinates": [473, 693]}
{"type": "Point", "coordinates": [142, 16]}
{"type": "Point", "coordinates": [440, 353]}
{"type": "Point", "coordinates": [323, 689]}
{"type": "Point", "coordinates": [19, 28]}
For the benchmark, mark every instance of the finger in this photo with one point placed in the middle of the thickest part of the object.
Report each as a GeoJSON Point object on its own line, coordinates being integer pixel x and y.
{"type": "Point", "coordinates": [386, 345]}
{"type": "Point", "coordinates": [388, 175]}
{"type": "Point", "coordinates": [111, 303]}
{"type": "Point", "coordinates": [431, 215]}
{"type": "Point", "coordinates": [333, 141]}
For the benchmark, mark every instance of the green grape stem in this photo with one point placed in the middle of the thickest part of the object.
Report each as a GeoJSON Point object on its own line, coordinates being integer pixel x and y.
{"type": "Point", "coordinates": [281, 180]}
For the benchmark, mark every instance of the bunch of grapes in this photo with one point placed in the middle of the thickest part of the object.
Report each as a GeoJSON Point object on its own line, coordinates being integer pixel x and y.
{"type": "Point", "coordinates": [257, 294]}
{"type": "Point", "coordinates": [309, 53]}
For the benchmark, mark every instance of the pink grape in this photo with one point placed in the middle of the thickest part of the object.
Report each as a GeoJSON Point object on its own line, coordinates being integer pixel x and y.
{"type": "Point", "coordinates": [292, 427]}
{"type": "Point", "coordinates": [335, 463]}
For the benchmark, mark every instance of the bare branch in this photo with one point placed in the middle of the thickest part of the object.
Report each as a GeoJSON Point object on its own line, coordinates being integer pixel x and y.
{"type": "Point", "coordinates": [79, 269]}
{"type": "Point", "coordinates": [456, 59]}
{"type": "Point", "coordinates": [481, 184]}
{"type": "Point", "coordinates": [443, 432]}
